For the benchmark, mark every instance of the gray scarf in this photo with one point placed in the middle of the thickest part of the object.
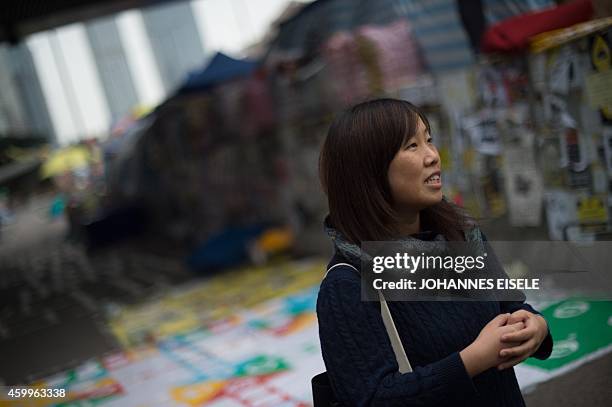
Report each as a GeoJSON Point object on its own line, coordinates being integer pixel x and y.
{"type": "Point", "coordinates": [355, 255]}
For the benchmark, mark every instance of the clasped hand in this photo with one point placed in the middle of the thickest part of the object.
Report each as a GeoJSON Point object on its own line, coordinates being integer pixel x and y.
{"type": "Point", "coordinates": [518, 345]}
{"type": "Point", "coordinates": [505, 341]}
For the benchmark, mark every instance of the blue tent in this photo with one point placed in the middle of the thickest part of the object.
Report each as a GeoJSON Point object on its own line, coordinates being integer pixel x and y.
{"type": "Point", "coordinates": [220, 69]}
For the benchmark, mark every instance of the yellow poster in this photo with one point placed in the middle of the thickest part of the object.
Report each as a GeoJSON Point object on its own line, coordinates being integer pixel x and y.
{"type": "Point", "coordinates": [599, 89]}
{"type": "Point", "coordinates": [592, 209]}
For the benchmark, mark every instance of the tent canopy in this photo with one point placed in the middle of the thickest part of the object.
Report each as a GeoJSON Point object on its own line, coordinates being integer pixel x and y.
{"type": "Point", "coordinates": [221, 68]}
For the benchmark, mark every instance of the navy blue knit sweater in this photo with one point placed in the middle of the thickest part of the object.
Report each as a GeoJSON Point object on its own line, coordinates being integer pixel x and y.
{"type": "Point", "coordinates": [361, 363]}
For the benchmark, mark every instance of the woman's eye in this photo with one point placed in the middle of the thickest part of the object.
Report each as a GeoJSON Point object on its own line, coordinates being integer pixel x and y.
{"type": "Point", "coordinates": [413, 145]}
{"type": "Point", "coordinates": [430, 140]}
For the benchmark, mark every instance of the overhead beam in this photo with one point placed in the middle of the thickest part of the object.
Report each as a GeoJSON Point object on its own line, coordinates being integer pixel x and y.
{"type": "Point", "coordinates": [19, 19]}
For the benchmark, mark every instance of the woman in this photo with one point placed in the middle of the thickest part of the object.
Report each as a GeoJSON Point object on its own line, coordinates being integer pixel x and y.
{"type": "Point", "coordinates": [381, 173]}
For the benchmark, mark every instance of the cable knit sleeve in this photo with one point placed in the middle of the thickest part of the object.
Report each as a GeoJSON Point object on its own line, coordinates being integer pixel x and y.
{"type": "Point", "coordinates": [360, 360]}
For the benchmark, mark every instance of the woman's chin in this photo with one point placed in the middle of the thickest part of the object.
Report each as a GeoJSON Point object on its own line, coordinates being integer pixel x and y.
{"type": "Point", "coordinates": [436, 198]}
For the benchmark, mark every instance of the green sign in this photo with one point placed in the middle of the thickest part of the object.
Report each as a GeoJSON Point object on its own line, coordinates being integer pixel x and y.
{"type": "Point", "coordinates": [579, 328]}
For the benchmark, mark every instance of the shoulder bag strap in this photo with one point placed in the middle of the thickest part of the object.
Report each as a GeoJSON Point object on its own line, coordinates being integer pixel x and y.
{"type": "Point", "coordinates": [396, 343]}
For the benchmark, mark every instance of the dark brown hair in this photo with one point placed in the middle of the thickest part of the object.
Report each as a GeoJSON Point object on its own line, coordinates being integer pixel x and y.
{"type": "Point", "coordinates": [353, 167]}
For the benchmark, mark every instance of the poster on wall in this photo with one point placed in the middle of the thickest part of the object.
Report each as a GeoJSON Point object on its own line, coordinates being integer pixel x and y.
{"type": "Point", "coordinates": [592, 209]}
{"type": "Point", "coordinates": [566, 70]}
{"type": "Point", "coordinates": [599, 83]}
{"type": "Point", "coordinates": [456, 90]}
{"type": "Point", "coordinates": [483, 132]}
{"type": "Point", "coordinates": [523, 183]}
{"type": "Point", "coordinates": [574, 153]}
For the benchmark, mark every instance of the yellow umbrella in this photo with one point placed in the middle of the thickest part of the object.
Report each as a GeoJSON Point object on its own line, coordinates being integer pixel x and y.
{"type": "Point", "coordinates": [141, 110]}
{"type": "Point", "coordinates": [65, 159]}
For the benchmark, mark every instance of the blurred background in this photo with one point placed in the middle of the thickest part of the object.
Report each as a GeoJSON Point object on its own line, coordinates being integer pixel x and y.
{"type": "Point", "coordinates": [161, 238]}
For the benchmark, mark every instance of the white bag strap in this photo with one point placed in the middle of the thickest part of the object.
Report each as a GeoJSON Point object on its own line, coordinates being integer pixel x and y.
{"type": "Point", "coordinates": [396, 343]}
{"type": "Point", "coordinates": [339, 264]}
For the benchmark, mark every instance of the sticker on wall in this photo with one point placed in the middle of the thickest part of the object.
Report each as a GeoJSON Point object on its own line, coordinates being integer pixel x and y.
{"type": "Point", "coordinates": [560, 212]}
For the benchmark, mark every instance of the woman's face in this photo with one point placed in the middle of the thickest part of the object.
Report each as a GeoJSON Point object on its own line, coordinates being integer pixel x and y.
{"type": "Point", "coordinates": [414, 173]}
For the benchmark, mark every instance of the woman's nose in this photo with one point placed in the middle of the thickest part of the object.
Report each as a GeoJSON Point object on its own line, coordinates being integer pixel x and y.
{"type": "Point", "coordinates": [431, 156]}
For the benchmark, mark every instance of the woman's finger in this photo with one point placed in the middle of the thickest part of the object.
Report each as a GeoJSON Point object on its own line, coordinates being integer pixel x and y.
{"type": "Point", "coordinates": [522, 349]}
{"type": "Point", "coordinates": [520, 315]}
{"type": "Point", "coordinates": [511, 362]}
{"type": "Point", "coordinates": [518, 336]}
{"type": "Point", "coordinates": [517, 326]}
